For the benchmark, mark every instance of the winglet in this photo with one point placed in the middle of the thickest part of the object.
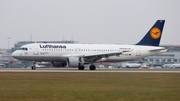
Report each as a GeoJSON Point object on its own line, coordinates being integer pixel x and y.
{"type": "Point", "coordinates": [153, 36]}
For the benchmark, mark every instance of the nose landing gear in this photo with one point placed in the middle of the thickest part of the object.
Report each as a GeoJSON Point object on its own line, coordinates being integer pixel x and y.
{"type": "Point", "coordinates": [33, 67]}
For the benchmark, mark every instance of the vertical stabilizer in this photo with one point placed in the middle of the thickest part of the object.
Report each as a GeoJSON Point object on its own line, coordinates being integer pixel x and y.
{"type": "Point", "coordinates": [153, 36]}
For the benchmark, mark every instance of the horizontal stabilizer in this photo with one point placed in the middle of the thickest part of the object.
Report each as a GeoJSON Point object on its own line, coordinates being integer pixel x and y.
{"type": "Point", "coordinates": [157, 50]}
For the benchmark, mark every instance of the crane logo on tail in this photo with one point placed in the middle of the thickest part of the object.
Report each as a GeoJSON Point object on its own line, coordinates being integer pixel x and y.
{"type": "Point", "coordinates": [155, 33]}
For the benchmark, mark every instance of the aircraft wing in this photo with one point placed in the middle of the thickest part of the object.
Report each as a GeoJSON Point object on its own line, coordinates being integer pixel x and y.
{"type": "Point", "coordinates": [98, 56]}
{"type": "Point", "coordinates": [95, 57]}
{"type": "Point", "coordinates": [105, 54]}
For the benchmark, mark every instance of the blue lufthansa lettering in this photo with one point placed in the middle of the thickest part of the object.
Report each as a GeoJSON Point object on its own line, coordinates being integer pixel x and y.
{"type": "Point", "coordinates": [52, 46]}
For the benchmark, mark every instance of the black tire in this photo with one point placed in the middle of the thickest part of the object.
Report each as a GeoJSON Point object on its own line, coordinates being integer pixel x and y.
{"type": "Point", "coordinates": [81, 67]}
{"type": "Point", "coordinates": [92, 67]}
{"type": "Point", "coordinates": [33, 67]}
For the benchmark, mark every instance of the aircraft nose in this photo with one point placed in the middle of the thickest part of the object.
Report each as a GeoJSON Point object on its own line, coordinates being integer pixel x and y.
{"type": "Point", "coordinates": [15, 54]}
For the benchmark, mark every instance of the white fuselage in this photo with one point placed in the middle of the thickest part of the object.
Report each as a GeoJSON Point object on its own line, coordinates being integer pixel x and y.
{"type": "Point", "coordinates": [60, 52]}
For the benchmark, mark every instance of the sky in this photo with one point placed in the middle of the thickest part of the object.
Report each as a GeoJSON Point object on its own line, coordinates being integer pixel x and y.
{"type": "Point", "coordinates": [87, 21]}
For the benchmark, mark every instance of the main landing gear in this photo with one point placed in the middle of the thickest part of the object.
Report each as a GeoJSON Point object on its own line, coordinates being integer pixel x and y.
{"type": "Point", "coordinates": [80, 66]}
{"type": "Point", "coordinates": [91, 67]}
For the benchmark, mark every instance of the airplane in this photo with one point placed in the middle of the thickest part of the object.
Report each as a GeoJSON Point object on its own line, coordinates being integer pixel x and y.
{"type": "Point", "coordinates": [171, 66]}
{"type": "Point", "coordinates": [79, 55]}
{"type": "Point", "coordinates": [2, 65]}
{"type": "Point", "coordinates": [132, 64]}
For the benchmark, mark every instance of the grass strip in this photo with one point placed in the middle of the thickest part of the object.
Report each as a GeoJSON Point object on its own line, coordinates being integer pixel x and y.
{"type": "Point", "coordinates": [89, 86]}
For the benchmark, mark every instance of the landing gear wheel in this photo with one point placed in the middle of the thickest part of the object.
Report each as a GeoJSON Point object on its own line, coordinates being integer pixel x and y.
{"type": "Point", "coordinates": [81, 67]}
{"type": "Point", "coordinates": [92, 67]}
{"type": "Point", "coordinates": [33, 67]}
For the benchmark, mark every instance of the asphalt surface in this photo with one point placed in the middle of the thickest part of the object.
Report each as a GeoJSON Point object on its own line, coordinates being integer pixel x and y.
{"type": "Point", "coordinates": [87, 70]}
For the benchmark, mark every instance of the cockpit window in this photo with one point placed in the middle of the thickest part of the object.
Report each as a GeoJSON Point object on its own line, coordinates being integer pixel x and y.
{"type": "Point", "coordinates": [23, 48]}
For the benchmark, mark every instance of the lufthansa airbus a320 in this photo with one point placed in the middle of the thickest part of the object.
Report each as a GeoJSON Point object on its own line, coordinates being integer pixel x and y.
{"type": "Point", "coordinates": [77, 55]}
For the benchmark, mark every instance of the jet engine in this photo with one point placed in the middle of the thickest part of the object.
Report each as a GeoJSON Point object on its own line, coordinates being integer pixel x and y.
{"type": "Point", "coordinates": [75, 61]}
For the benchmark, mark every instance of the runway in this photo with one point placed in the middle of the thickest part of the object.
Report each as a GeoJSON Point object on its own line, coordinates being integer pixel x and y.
{"type": "Point", "coordinates": [131, 70]}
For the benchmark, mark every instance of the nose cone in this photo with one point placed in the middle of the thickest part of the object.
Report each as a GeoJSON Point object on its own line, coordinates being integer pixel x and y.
{"type": "Point", "coordinates": [15, 54]}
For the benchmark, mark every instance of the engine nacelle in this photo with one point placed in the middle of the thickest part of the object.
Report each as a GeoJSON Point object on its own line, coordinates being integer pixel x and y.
{"type": "Point", "coordinates": [75, 61]}
{"type": "Point", "coordinates": [59, 64]}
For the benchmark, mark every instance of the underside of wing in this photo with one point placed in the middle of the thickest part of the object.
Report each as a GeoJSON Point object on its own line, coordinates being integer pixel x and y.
{"type": "Point", "coordinates": [98, 56]}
